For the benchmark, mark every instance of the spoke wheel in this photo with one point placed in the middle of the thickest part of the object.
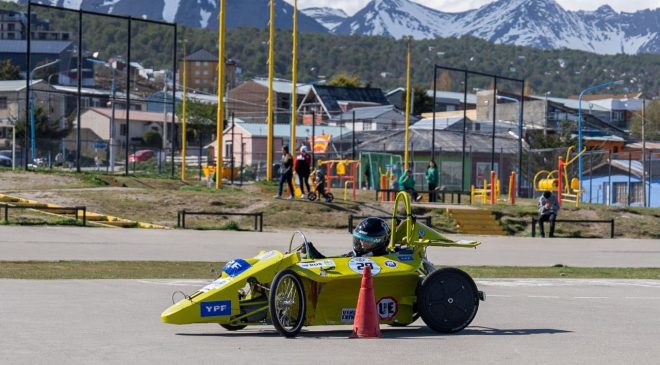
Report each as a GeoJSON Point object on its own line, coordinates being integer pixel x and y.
{"type": "Point", "coordinates": [233, 327]}
{"type": "Point", "coordinates": [311, 196]}
{"type": "Point", "coordinates": [448, 300]}
{"type": "Point", "coordinates": [287, 303]}
{"type": "Point", "coordinates": [329, 197]}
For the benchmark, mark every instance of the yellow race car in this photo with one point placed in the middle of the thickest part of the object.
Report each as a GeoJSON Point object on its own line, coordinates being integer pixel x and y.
{"type": "Point", "coordinates": [302, 288]}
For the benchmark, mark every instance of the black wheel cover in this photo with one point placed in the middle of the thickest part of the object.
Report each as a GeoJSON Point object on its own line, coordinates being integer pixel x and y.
{"type": "Point", "coordinates": [329, 197]}
{"type": "Point", "coordinates": [287, 303]}
{"type": "Point", "coordinates": [311, 196]}
{"type": "Point", "coordinates": [448, 300]}
{"type": "Point", "coordinates": [233, 327]}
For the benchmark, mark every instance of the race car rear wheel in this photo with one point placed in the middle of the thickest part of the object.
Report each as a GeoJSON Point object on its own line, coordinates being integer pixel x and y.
{"type": "Point", "coordinates": [233, 327]}
{"type": "Point", "coordinates": [329, 197]}
{"type": "Point", "coordinates": [287, 303]}
{"type": "Point", "coordinates": [448, 300]}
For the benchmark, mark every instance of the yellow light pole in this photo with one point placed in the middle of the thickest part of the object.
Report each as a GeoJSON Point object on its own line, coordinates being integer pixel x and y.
{"type": "Point", "coordinates": [221, 91]}
{"type": "Point", "coordinates": [294, 76]}
{"type": "Point", "coordinates": [405, 154]}
{"type": "Point", "coordinates": [184, 140]}
{"type": "Point", "coordinates": [271, 74]}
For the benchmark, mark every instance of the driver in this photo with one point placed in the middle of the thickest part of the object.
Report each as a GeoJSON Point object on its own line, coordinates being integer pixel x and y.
{"type": "Point", "coordinates": [370, 238]}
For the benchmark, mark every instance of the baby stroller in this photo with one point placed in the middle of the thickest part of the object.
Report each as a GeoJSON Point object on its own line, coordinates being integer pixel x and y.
{"type": "Point", "coordinates": [318, 182]}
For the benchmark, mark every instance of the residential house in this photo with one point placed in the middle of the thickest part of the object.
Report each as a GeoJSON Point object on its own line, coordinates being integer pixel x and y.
{"type": "Point", "coordinates": [448, 155]}
{"type": "Point", "coordinates": [249, 100]}
{"type": "Point", "coordinates": [14, 23]}
{"type": "Point", "coordinates": [250, 140]}
{"type": "Point", "coordinates": [445, 101]}
{"type": "Point", "coordinates": [329, 102]}
{"type": "Point", "coordinates": [202, 72]}
{"type": "Point", "coordinates": [41, 52]}
{"type": "Point", "coordinates": [619, 182]}
{"type": "Point", "coordinates": [97, 122]}
{"type": "Point", "coordinates": [13, 98]}
{"type": "Point", "coordinates": [382, 117]}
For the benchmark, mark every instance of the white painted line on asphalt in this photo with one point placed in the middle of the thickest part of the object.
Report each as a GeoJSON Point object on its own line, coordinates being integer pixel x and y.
{"type": "Point", "coordinates": [569, 282]}
{"type": "Point", "coordinates": [591, 297]}
{"type": "Point", "coordinates": [650, 298]}
{"type": "Point", "coordinates": [543, 296]}
{"type": "Point", "coordinates": [499, 296]}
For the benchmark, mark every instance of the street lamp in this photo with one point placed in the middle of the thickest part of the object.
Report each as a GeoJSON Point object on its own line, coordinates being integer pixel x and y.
{"type": "Point", "coordinates": [113, 91]}
{"type": "Point", "coordinates": [589, 89]}
{"type": "Point", "coordinates": [33, 144]}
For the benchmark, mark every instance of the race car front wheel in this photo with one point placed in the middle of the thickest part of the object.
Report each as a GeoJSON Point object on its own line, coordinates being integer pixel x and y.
{"type": "Point", "coordinates": [448, 300]}
{"type": "Point", "coordinates": [287, 303]}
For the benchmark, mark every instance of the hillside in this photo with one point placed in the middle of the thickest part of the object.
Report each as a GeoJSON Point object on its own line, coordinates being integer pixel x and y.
{"type": "Point", "coordinates": [562, 72]}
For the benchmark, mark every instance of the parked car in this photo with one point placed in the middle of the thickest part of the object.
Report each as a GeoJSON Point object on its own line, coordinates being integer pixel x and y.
{"type": "Point", "coordinates": [5, 161]}
{"type": "Point", "coordinates": [141, 155]}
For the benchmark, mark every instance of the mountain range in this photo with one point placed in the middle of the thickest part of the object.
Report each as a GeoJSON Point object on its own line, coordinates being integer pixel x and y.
{"type": "Point", "coordinates": [535, 23]}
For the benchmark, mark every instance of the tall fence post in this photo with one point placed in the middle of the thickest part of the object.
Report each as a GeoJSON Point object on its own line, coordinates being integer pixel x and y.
{"type": "Point", "coordinates": [533, 227]}
{"type": "Point", "coordinates": [611, 228]}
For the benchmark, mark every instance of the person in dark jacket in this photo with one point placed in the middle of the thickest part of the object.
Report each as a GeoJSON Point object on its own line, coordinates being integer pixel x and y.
{"type": "Point", "coordinates": [286, 173]}
{"type": "Point", "coordinates": [302, 168]}
{"type": "Point", "coordinates": [548, 209]}
{"type": "Point", "coordinates": [432, 180]}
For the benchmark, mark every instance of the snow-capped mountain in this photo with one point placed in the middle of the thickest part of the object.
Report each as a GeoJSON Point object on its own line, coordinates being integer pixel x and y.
{"type": "Point", "coordinates": [535, 23]}
{"type": "Point", "coordinates": [328, 17]}
{"type": "Point", "coordinates": [197, 13]}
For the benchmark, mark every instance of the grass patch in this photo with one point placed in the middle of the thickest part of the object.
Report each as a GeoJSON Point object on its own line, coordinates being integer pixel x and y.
{"type": "Point", "coordinates": [52, 270]}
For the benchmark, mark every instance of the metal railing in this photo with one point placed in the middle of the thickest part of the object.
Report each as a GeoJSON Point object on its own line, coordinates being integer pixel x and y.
{"type": "Point", "coordinates": [73, 210]}
{"type": "Point", "coordinates": [258, 217]}
{"type": "Point", "coordinates": [607, 221]}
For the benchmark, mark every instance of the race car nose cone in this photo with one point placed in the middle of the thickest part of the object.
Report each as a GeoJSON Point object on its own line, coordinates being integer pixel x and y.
{"type": "Point", "coordinates": [182, 312]}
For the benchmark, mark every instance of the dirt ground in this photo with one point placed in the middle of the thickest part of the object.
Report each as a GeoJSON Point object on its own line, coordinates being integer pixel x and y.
{"type": "Point", "coordinates": [158, 201]}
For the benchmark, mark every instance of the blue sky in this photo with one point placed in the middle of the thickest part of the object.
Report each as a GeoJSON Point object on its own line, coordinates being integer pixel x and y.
{"type": "Point", "coordinates": [351, 6]}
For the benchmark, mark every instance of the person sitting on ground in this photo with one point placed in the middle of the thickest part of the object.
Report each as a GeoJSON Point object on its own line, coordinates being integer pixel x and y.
{"type": "Point", "coordinates": [548, 209]}
{"type": "Point", "coordinates": [407, 183]}
{"type": "Point", "coordinates": [370, 238]}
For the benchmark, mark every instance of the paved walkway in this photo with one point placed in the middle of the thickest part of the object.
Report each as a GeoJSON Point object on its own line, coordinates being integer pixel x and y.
{"type": "Point", "coordinates": [75, 243]}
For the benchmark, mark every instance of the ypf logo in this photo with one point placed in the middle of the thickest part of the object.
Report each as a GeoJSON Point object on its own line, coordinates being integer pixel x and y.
{"type": "Point", "coordinates": [387, 308]}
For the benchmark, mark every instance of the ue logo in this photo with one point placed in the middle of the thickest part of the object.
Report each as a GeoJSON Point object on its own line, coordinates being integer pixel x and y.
{"type": "Point", "coordinates": [387, 308]}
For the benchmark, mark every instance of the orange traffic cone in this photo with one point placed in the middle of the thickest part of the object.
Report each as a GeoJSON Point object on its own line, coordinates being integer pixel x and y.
{"type": "Point", "coordinates": [366, 323]}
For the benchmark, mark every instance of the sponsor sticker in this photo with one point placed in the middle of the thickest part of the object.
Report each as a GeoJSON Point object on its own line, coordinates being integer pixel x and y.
{"type": "Point", "coordinates": [405, 252]}
{"type": "Point", "coordinates": [236, 267]}
{"type": "Point", "coordinates": [347, 315]}
{"type": "Point", "coordinates": [387, 308]}
{"type": "Point", "coordinates": [266, 255]}
{"type": "Point", "coordinates": [406, 258]}
{"type": "Point", "coordinates": [321, 264]}
{"type": "Point", "coordinates": [219, 283]}
{"type": "Point", "coordinates": [390, 263]}
{"type": "Point", "coordinates": [358, 264]}
{"type": "Point", "coordinates": [421, 232]}
{"type": "Point", "coordinates": [216, 308]}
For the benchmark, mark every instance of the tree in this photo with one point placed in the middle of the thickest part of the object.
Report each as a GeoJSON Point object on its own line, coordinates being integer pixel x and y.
{"type": "Point", "coordinates": [444, 81]}
{"type": "Point", "coordinates": [422, 103]}
{"type": "Point", "coordinates": [9, 71]}
{"type": "Point", "coordinates": [342, 79]}
{"type": "Point", "coordinates": [48, 133]}
{"type": "Point", "coordinates": [152, 139]}
{"type": "Point", "coordinates": [652, 128]}
{"type": "Point", "coordinates": [200, 118]}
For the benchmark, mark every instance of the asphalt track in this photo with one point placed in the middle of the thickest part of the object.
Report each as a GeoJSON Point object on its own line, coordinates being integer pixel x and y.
{"type": "Point", "coordinates": [522, 322]}
{"type": "Point", "coordinates": [73, 243]}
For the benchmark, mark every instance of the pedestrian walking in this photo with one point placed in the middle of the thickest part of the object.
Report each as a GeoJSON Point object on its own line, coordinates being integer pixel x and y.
{"type": "Point", "coordinates": [286, 173]}
{"type": "Point", "coordinates": [432, 180]}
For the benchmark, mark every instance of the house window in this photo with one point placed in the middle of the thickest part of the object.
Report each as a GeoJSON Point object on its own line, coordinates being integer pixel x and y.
{"type": "Point", "coordinates": [3, 103]}
{"type": "Point", "coordinates": [636, 192]}
{"type": "Point", "coordinates": [229, 149]}
{"type": "Point", "coordinates": [206, 72]}
{"type": "Point", "coordinates": [620, 193]}
{"type": "Point", "coordinates": [123, 129]}
{"type": "Point", "coordinates": [367, 125]}
{"type": "Point", "coordinates": [197, 63]}
{"type": "Point", "coordinates": [206, 63]}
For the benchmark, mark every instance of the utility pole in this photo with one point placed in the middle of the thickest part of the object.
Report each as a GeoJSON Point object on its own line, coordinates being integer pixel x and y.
{"type": "Point", "coordinates": [643, 152]}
